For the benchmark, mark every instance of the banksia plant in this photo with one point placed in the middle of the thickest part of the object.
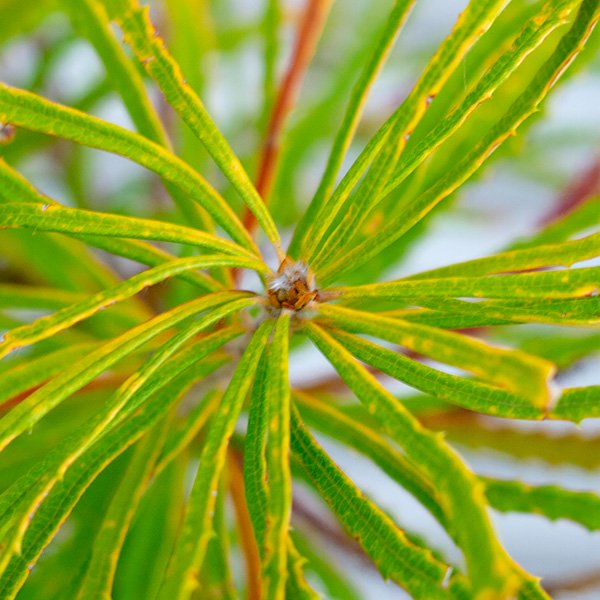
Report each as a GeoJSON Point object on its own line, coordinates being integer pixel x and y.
{"type": "Point", "coordinates": [151, 440]}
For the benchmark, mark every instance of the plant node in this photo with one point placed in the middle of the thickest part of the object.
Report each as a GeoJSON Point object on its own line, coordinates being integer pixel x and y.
{"type": "Point", "coordinates": [292, 287]}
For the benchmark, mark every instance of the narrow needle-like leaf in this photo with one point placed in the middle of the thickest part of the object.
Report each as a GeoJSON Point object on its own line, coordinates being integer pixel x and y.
{"type": "Point", "coordinates": [277, 392]}
{"type": "Point", "coordinates": [61, 500]}
{"type": "Point", "coordinates": [387, 545]}
{"type": "Point", "coordinates": [52, 217]}
{"type": "Point", "coordinates": [128, 397]}
{"type": "Point", "coordinates": [152, 53]}
{"type": "Point", "coordinates": [522, 108]}
{"type": "Point", "coordinates": [456, 390]}
{"type": "Point", "coordinates": [31, 410]}
{"type": "Point", "coordinates": [551, 255]}
{"type": "Point", "coordinates": [38, 114]}
{"type": "Point", "coordinates": [490, 569]}
{"type": "Point", "coordinates": [345, 133]}
{"type": "Point", "coordinates": [67, 317]}
{"type": "Point", "coordinates": [180, 580]}
{"type": "Point", "coordinates": [522, 373]}
{"type": "Point", "coordinates": [91, 18]}
{"type": "Point", "coordinates": [472, 23]}
{"type": "Point", "coordinates": [550, 16]}
{"type": "Point", "coordinates": [563, 283]}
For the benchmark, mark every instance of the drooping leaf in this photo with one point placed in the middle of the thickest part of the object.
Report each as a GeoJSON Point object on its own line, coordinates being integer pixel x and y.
{"type": "Point", "coordinates": [489, 567]}
{"type": "Point", "coordinates": [393, 553]}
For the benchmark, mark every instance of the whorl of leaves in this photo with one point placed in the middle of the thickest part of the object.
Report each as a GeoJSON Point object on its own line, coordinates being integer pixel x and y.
{"type": "Point", "coordinates": [130, 385]}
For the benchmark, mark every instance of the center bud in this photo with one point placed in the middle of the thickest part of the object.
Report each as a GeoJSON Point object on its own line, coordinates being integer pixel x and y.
{"type": "Point", "coordinates": [293, 286]}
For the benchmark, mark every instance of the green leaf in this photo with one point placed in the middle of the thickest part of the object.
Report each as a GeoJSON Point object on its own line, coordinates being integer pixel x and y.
{"type": "Point", "coordinates": [576, 404]}
{"type": "Point", "coordinates": [396, 557]}
{"type": "Point", "coordinates": [463, 392]}
{"type": "Point", "coordinates": [126, 399]}
{"type": "Point", "coordinates": [31, 410]}
{"type": "Point", "coordinates": [458, 314]}
{"type": "Point", "coordinates": [517, 371]}
{"type": "Point", "coordinates": [356, 433]}
{"type": "Point", "coordinates": [563, 350]}
{"type": "Point", "coordinates": [149, 542]}
{"type": "Point", "coordinates": [385, 147]}
{"type": "Point", "coordinates": [551, 501]}
{"type": "Point", "coordinates": [99, 576]}
{"type": "Point", "coordinates": [67, 317]}
{"type": "Point", "coordinates": [490, 569]}
{"type": "Point", "coordinates": [179, 439]}
{"type": "Point", "coordinates": [506, 496]}
{"type": "Point", "coordinates": [370, 193]}
{"type": "Point", "coordinates": [279, 507]}
{"type": "Point", "coordinates": [90, 17]}
{"type": "Point", "coordinates": [196, 530]}
{"type": "Point", "coordinates": [215, 577]}
{"type": "Point", "coordinates": [565, 255]}
{"type": "Point", "coordinates": [581, 218]}
{"type": "Point", "coordinates": [35, 371]}
{"type": "Point", "coordinates": [519, 111]}
{"type": "Point", "coordinates": [15, 186]}
{"type": "Point", "coordinates": [256, 488]}
{"type": "Point", "coordinates": [152, 53]}
{"type": "Point", "coordinates": [296, 584]}
{"type": "Point", "coordinates": [336, 584]}
{"type": "Point", "coordinates": [61, 500]}
{"type": "Point", "coordinates": [567, 449]}
{"type": "Point", "coordinates": [345, 133]}
{"type": "Point", "coordinates": [30, 111]}
{"type": "Point", "coordinates": [52, 217]}
{"type": "Point", "coordinates": [567, 283]}
{"type": "Point", "coordinates": [31, 297]}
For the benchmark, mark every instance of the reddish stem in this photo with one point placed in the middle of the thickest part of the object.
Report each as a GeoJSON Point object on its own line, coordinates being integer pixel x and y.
{"type": "Point", "coordinates": [577, 192]}
{"type": "Point", "coordinates": [311, 26]}
{"type": "Point", "coordinates": [247, 539]}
